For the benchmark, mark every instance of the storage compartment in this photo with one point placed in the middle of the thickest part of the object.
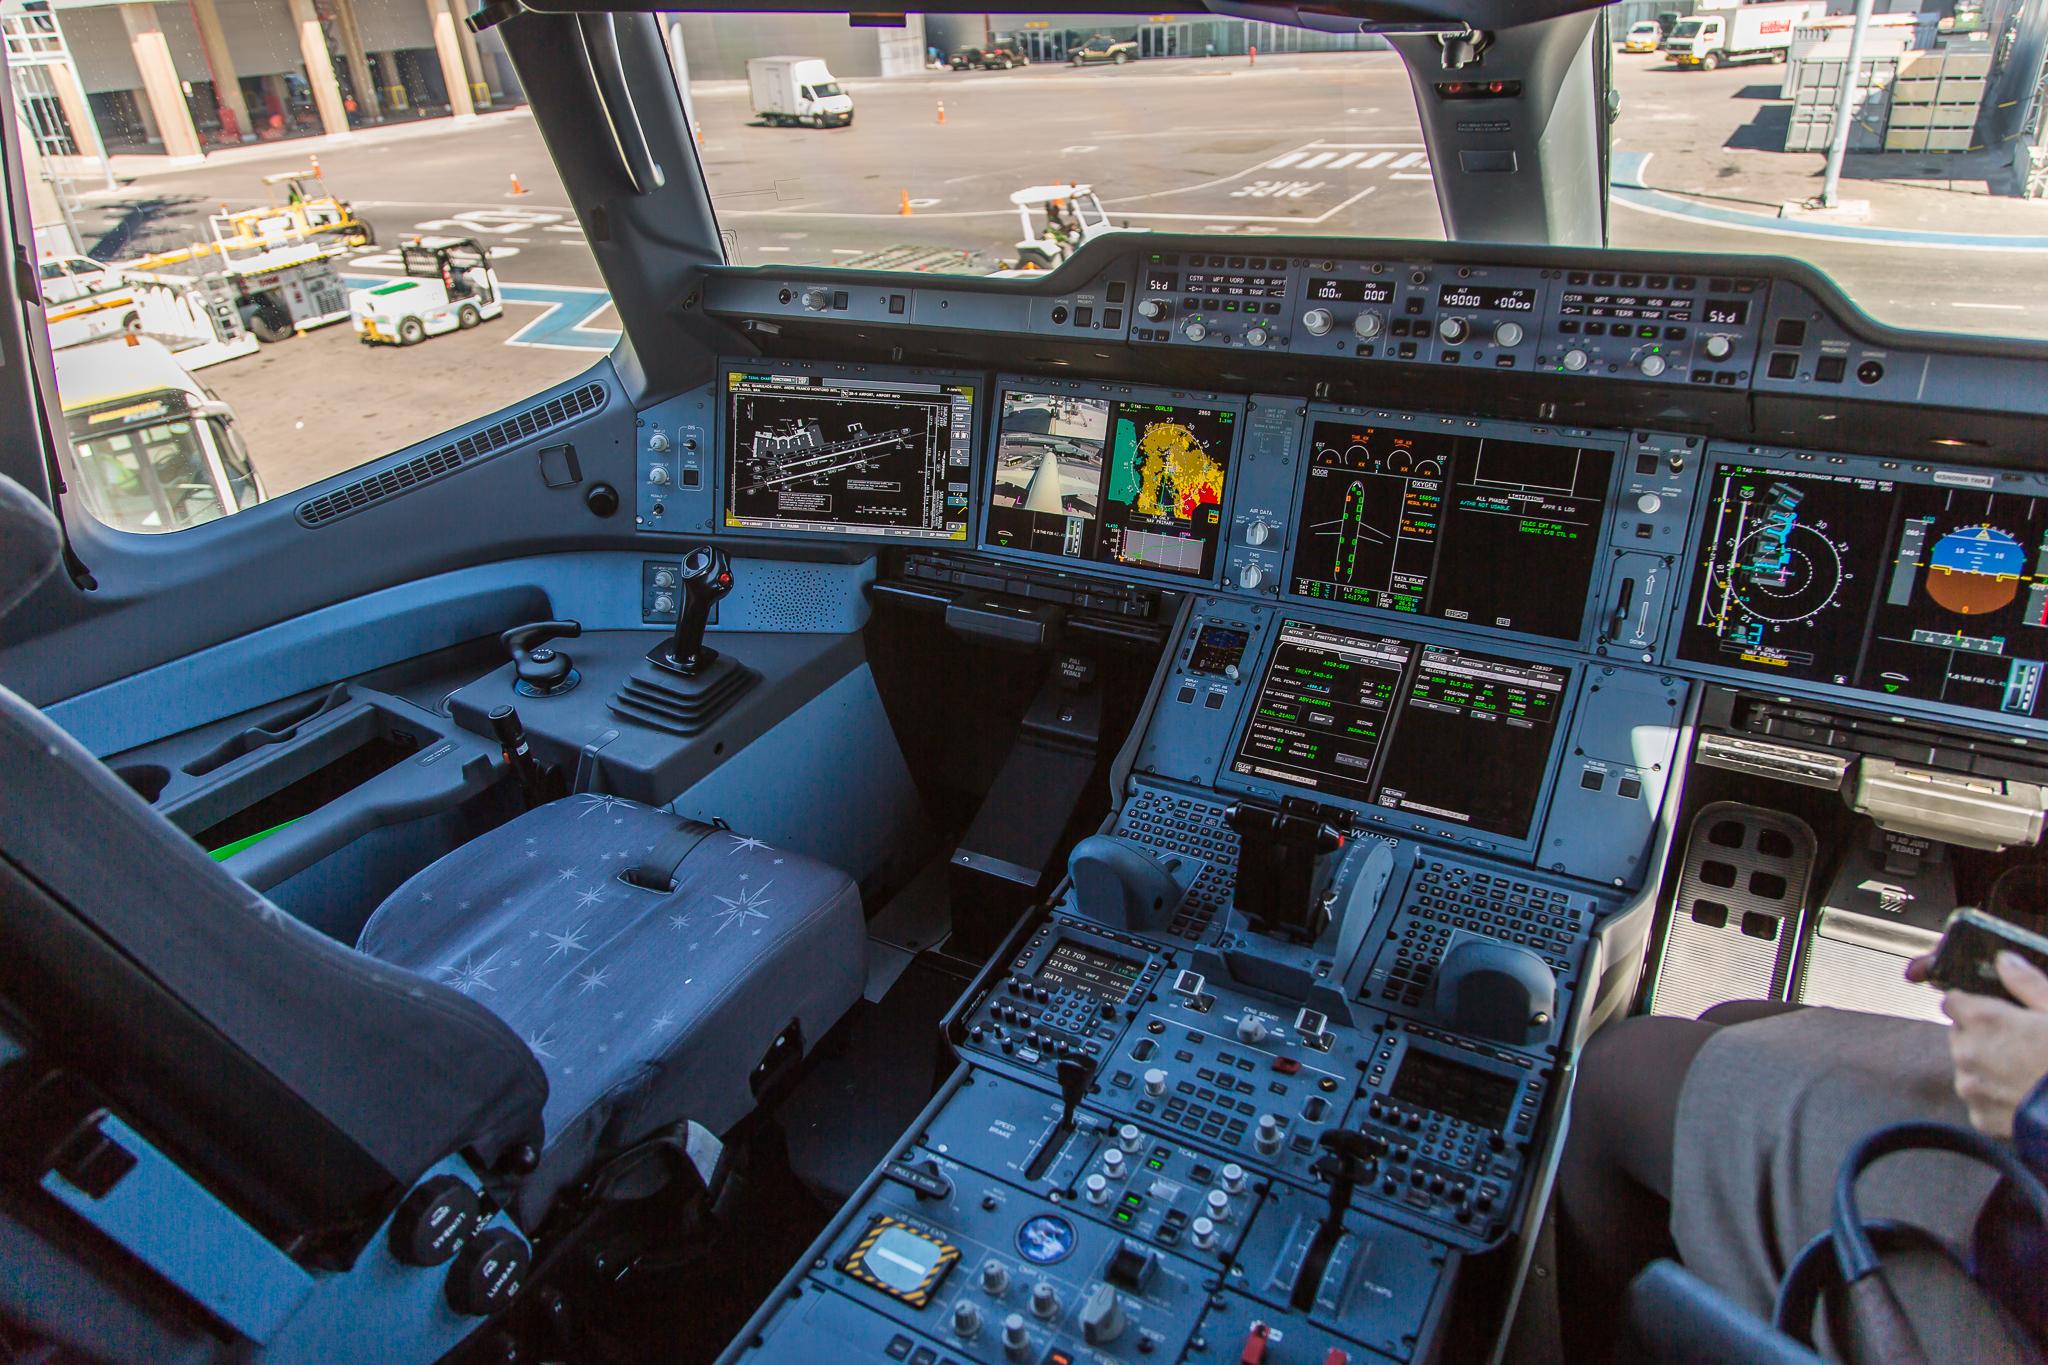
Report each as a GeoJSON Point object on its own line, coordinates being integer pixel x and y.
{"type": "Point", "coordinates": [297, 778]}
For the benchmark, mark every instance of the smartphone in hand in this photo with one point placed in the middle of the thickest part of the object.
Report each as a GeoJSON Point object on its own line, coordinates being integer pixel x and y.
{"type": "Point", "coordinates": [1966, 959]}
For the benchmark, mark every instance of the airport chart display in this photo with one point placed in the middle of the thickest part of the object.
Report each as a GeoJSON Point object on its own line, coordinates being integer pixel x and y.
{"type": "Point", "coordinates": [1419, 521]}
{"type": "Point", "coordinates": [1919, 590]}
{"type": "Point", "coordinates": [1111, 480]}
{"type": "Point", "coordinates": [810, 453]}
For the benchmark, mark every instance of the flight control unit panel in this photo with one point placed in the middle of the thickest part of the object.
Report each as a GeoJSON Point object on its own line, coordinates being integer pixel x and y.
{"type": "Point", "coordinates": [1276, 1075]}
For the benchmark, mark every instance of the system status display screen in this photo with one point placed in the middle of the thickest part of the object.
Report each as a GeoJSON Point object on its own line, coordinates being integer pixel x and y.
{"type": "Point", "coordinates": [1429, 730]}
{"type": "Point", "coordinates": [1930, 591]}
{"type": "Point", "coordinates": [847, 456]}
{"type": "Point", "coordinates": [1111, 480]}
{"type": "Point", "coordinates": [1421, 521]}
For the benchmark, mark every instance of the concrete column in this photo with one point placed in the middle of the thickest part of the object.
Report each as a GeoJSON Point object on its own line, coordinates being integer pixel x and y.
{"type": "Point", "coordinates": [85, 129]}
{"type": "Point", "coordinates": [227, 86]}
{"type": "Point", "coordinates": [319, 68]}
{"type": "Point", "coordinates": [160, 84]}
{"type": "Point", "coordinates": [479, 74]}
{"type": "Point", "coordinates": [368, 97]}
{"type": "Point", "coordinates": [449, 48]}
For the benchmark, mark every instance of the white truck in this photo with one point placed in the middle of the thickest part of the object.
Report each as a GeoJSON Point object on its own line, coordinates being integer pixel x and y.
{"type": "Point", "coordinates": [797, 91]}
{"type": "Point", "coordinates": [1738, 33]}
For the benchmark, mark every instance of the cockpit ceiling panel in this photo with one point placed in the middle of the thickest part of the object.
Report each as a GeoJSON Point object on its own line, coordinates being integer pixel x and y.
{"type": "Point", "coordinates": [1364, 16]}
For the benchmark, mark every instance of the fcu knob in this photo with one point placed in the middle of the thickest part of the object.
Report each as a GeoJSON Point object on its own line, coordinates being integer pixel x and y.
{"type": "Point", "coordinates": [1045, 1300]}
{"type": "Point", "coordinates": [1367, 325]}
{"type": "Point", "coordinates": [1257, 532]}
{"type": "Point", "coordinates": [1318, 321]}
{"type": "Point", "coordinates": [1097, 1187]}
{"type": "Point", "coordinates": [966, 1319]}
{"type": "Point", "coordinates": [1233, 1178]}
{"type": "Point", "coordinates": [1205, 1234]}
{"type": "Point", "coordinates": [1155, 1082]}
{"type": "Point", "coordinates": [1250, 576]}
{"type": "Point", "coordinates": [1016, 1341]}
{"type": "Point", "coordinates": [1113, 1164]}
{"type": "Point", "coordinates": [1256, 336]}
{"type": "Point", "coordinates": [1129, 1138]}
{"type": "Point", "coordinates": [1651, 365]}
{"type": "Point", "coordinates": [1217, 1204]}
{"type": "Point", "coordinates": [1718, 346]}
{"type": "Point", "coordinates": [1575, 360]}
{"type": "Point", "coordinates": [1152, 309]}
{"type": "Point", "coordinates": [1453, 330]}
{"type": "Point", "coordinates": [1268, 1137]}
{"type": "Point", "coordinates": [1507, 334]}
{"type": "Point", "coordinates": [995, 1278]}
{"type": "Point", "coordinates": [1194, 330]}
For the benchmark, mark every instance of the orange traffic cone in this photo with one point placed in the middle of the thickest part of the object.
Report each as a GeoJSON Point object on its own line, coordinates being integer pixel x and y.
{"type": "Point", "coordinates": [318, 174]}
{"type": "Point", "coordinates": [942, 111]}
{"type": "Point", "coordinates": [905, 210]}
{"type": "Point", "coordinates": [517, 188]}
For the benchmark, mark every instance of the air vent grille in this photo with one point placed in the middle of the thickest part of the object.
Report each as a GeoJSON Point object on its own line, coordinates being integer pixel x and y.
{"type": "Point", "coordinates": [386, 484]}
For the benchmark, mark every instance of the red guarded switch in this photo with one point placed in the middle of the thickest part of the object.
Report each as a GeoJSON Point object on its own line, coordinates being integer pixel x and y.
{"type": "Point", "coordinates": [1254, 1352]}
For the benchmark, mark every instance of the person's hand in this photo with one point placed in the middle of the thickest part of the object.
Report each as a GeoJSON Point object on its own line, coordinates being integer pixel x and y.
{"type": "Point", "coordinates": [1918, 968]}
{"type": "Point", "coordinates": [2000, 1050]}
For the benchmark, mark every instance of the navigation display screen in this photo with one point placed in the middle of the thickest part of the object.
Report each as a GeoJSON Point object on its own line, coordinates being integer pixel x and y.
{"type": "Point", "coordinates": [1421, 521]}
{"type": "Point", "coordinates": [1111, 480]}
{"type": "Point", "coordinates": [1936, 592]}
{"type": "Point", "coordinates": [809, 452]}
{"type": "Point", "coordinates": [1442, 733]}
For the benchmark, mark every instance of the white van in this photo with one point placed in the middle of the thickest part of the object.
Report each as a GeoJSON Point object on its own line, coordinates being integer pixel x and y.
{"type": "Point", "coordinates": [150, 449]}
{"type": "Point", "coordinates": [797, 90]}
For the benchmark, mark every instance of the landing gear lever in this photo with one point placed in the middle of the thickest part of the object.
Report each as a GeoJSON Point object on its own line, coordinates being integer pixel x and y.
{"type": "Point", "coordinates": [1346, 1163]}
{"type": "Point", "coordinates": [706, 577]}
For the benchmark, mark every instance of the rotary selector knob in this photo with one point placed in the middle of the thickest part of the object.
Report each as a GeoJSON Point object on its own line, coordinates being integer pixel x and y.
{"type": "Point", "coordinates": [1097, 1187]}
{"type": "Point", "coordinates": [995, 1278]}
{"type": "Point", "coordinates": [1267, 1140]}
{"type": "Point", "coordinates": [1318, 321]}
{"type": "Point", "coordinates": [1575, 360]}
{"type": "Point", "coordinates": [657, 440]}
{"type": "Point", "coordinates": [434, 1221]}
{"type": "Point", "coordinates": [1205, 1234]}
{"type": "Point", "coordinates": [1102, 1316]}
{"type": "Point", "coordinates": [1152, 309]}
{"type": "Point", "coordinates": [1649, 504]}
{"type": "Point", "coordinates": [1113, 1164]}
{"type": "Point", "coordinates": [663, 603]}
{"type": "Point", "coordinates": [1453, 330]}
{"type": "Point", "coordinates": [1250, 576]}
{"type": "Point", "coordinates": [1651, 365]}
{"type": "Point", "coordinates": [1045, 1300]}
{"type": "Point", "coordinates": [1129, 1138]}
{"type": "Point", "coordinates": [1257, 532]}
{"type": "Point", "coordinates": [1016, 1341]}
{"type": "Point", "coordinates": [1233, 1178]}
{"type": "Point", "coordinates": [1251, 1029]}
{"type": "Point", "coordinates": [1155, 1082]}
{"type": "Point", "coordinates": [966, 1319]}
{"type": "Point", "coordinates": [658, 475]}
{"type": "Point", "coordinates": [1194, 330]}
{"type": "Point", "coordinates": [664, 578]}
{"type": "Point", "coordinates": [1217, 1205]}
{"type": "Point", "coordinates": [1256, 336]}
{"type": "Point", "coordinates": [817, 300]}
{"type": "Point", "coordinates": [488, 1273]}
{"type": "Point", "coordinates": [1507, 334]}
{"type": "Point", "coordinates": [1718, 346]}
{"type": "Point", "coordinates": [1368, 325]}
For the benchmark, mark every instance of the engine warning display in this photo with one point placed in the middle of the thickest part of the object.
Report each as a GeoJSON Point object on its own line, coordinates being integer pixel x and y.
{"type": "Point", "coordinates": [807, 452]}
{"type": "Point", "coordinates": [1418, 521]}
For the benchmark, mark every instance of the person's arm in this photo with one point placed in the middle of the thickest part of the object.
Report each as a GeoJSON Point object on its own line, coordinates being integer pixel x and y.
{"type": "Point", "coordinates": [2001, 1057]}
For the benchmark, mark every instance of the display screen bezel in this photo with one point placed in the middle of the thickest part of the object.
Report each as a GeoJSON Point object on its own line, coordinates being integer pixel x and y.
{"type": "Point", "coordinates": [718, 471]}
{"type": "Point", "coordinates": [1720, 454]}
{"type": "Point", "coordinates": [1368, 814]}
{"type": "Point", "coordinates": [991, 440]}
{"type": "Point", "coordinates": [1614, 443]}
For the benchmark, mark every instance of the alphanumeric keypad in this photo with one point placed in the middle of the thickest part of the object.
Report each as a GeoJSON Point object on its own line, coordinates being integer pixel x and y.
{"type": "Point", "coordinates": [1447, 898]}
{"type": "Point", "coordinates": [1192, 828]}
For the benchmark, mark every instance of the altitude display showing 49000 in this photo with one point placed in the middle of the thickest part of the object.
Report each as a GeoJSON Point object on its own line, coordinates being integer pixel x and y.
{"type": "Point", "coordinates": [1905, 589]}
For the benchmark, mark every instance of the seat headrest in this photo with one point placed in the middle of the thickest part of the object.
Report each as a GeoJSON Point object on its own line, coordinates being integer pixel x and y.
{"type": "Point", "coordinates": [29, 543]}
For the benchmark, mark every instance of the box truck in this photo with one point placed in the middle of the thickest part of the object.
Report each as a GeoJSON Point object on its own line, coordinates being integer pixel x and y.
{"type": "Point", "coordinates": [797, 90]}
{"type": "Point", "coordinates": [1739, 33]}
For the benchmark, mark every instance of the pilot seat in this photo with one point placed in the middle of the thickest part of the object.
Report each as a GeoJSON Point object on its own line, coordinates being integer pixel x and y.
{"type": "Point", "coordinates": [583, 982]}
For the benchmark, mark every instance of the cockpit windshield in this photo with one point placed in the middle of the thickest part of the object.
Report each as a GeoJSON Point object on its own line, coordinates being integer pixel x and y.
{"type": "Point", "coordinates": [1718, 140]}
